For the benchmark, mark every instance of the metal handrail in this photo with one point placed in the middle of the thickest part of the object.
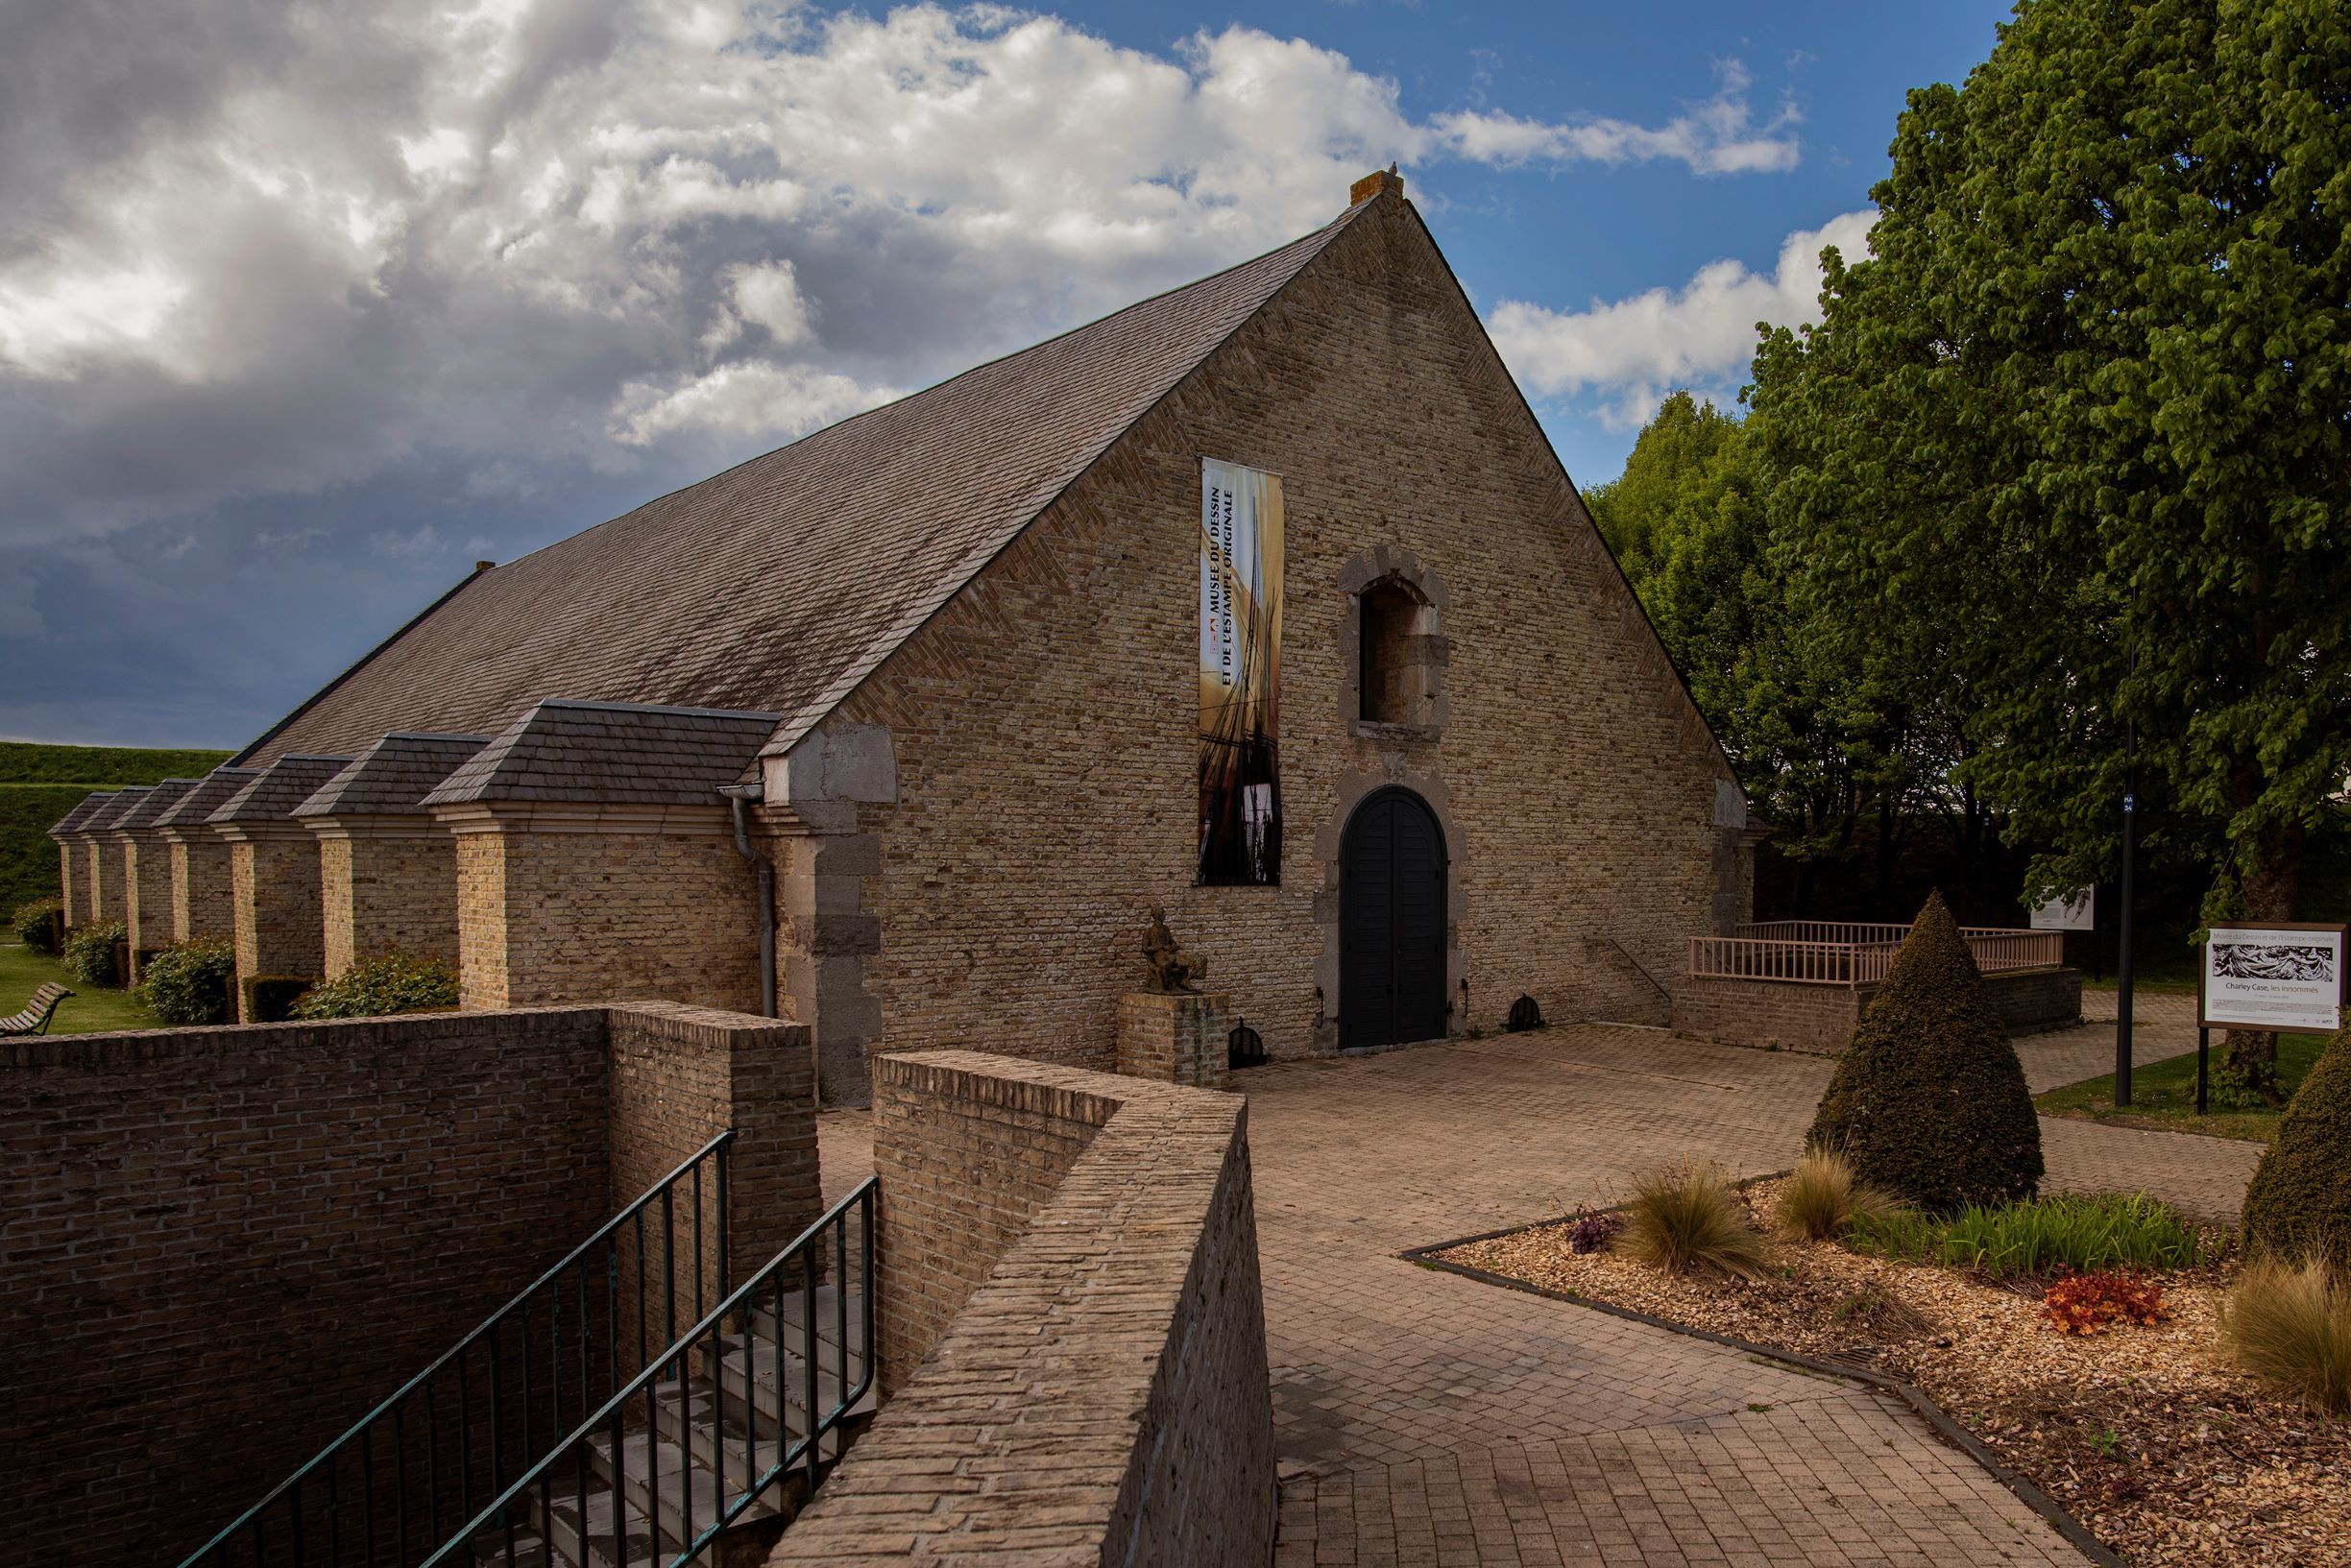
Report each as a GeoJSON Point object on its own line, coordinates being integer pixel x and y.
{"type": "Point", "coordinates": [808, 1453]}
{"type": "Point", "coordinates": [254, 1520]}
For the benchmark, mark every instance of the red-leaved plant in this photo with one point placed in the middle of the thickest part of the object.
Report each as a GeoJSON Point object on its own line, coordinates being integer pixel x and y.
{"type": "Point", "coordinates": [2092, 1303]}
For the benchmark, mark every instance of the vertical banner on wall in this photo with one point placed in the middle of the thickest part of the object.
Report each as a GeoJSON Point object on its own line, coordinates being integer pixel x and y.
{"type": "Point", "coordinates": [1240, 675]}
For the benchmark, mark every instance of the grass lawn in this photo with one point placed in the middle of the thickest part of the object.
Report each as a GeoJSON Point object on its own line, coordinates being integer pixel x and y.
{"type": "Point", "coordinates": [90, 1009]}
{"type": "Point", "coordinates": [2162, 1094]}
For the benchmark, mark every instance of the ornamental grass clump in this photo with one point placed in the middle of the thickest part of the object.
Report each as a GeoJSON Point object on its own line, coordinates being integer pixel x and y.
{"type": "Point", "coordinates": [1929, 1100]}
{"type": "Point", "coordinates": [1822, 1198]}
{"type": "Point", "coordinates": [91, 953]}
{"type": "Point", "coordinates": [2290, 1323]}
{"type": "Point", "coordinates": [191, 983]}
{"type": "Point", "coordinates": [2299, 1204]}
{"type": "Point", "coordinates": [2076, 1234]}
{"type": "Point", "coordinates": [1686, 1220]}
{"type": "Point", "coordinates": [389, 982]}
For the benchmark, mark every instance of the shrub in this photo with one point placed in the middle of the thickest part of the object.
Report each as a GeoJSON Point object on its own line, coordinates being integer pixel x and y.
{"type": "Point", "coordinates": [190, 982]}
{"type": "Point", "coordinates": [2299, 1204]}
{"type": "Point", "coordinates": [1686, 1219]}
{"type": "Point", "coordinates": [1592, 1232]}
{"type": "Point", "coordinates": [2080, 1234]}
{"type": "Point", "coordinates": [389, 982]}
{"type": "Point", "coordinates": [91, 954]}
{"type": "Point", "coordinates": [1929, 1100]}
{"type": "Point", "coordinates": [2094, 1303]}
{"type": "Point", "coordinates": [40, 925]}
{"type": "Point", "coordinates": [1822, 1196]}
{"type": "Point", "coordinates": [2291, 1324]}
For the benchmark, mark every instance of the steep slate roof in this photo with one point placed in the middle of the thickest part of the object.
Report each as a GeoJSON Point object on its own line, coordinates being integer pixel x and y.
{"type": "Point", "coordinates": [782, 583]}
{"type": "Point", "coordinates": [391, 777]}
{"type": "Point", "coordinates": [272, 794]}
{"type": "Point", "coordinates": [633, 753]}
{"type": "Point", "coordinates": [73, 820]}
{"type": "Point", "coordinates": [102, 819]}
{"type": "Point", "coordinates": [158, 800]}
{"type": "Point", "coordinates": [218, 788]}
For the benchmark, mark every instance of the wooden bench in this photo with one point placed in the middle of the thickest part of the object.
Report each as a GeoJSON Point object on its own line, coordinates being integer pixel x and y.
{"type": "Point", "coordinates": [35, 1017]}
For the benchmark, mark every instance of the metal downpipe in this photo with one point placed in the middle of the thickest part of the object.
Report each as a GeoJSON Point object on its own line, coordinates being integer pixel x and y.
{"type": "Point", "coordinates": [739, 798]}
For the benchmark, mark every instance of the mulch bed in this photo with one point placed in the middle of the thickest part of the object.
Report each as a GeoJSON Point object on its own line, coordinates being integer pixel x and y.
{"type": "Point", "coordinates": [2144, 1434]}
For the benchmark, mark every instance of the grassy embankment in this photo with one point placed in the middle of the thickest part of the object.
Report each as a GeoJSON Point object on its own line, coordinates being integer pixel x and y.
{"type": "Point", "coordinates": [41, 783]}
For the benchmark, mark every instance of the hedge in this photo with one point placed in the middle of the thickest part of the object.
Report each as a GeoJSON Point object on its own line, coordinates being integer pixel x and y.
{"type": "Point", "coordinates": [2298, 1206]}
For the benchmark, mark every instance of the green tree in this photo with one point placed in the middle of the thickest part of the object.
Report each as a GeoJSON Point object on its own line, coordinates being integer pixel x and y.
{"type": "Point", "coordinates": [2085, 417]}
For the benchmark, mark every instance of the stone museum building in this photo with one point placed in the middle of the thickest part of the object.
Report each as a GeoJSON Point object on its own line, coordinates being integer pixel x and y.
{"type": "Point", "coordinates": [1264, 602]}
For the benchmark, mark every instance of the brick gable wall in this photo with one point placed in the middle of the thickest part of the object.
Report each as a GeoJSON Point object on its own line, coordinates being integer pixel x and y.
{"type": "Point", "coordinates": [1043, 723]}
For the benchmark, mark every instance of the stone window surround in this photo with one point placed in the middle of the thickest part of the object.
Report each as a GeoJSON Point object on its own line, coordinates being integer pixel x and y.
{"type": "Point", "coordinates": [1362, 570]}
{"type": "Point", "coordinates": [1353, 787]}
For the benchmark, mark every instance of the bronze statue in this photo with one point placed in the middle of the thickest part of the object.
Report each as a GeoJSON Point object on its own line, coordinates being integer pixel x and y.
{"type": "Point", "coordinates": [1171, 969]}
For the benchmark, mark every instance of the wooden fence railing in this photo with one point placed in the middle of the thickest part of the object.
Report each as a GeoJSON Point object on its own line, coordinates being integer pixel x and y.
{"type": "Point", "coordinates": [1833, 953]}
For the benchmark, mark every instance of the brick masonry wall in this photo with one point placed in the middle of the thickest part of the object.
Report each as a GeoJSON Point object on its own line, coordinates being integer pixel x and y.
{"type": "Point", "coordinates": [105, 880]}
{"type": "Point", "coordinates": [204, 897]}
{"type": "Point", "coordinates": [1821, 1018]}
{"type": "Point", "coordinates": [379, 891]}
{"type": "Point", "coordinates": [680, 1077]}
{"type": "Point", "coordinates": [1044, 721]}
{"type": "Point", "coordinates": [224, 1245]}
{"type": "Point", "coordinates": [1102, 1396]}
{"type": "Point", "coordinates": [588, 916]}
{"type": "Point", "coordinates": [147, 884]}
{"type": "Point", "coordinates": [274, 883]}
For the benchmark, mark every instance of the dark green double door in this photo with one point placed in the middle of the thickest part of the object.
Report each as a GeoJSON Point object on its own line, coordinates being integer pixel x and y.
{"type": "Point", "coordinates": [1392, 923]}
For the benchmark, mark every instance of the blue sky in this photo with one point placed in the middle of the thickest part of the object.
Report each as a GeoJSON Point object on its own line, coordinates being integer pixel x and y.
{"type": "Point", "coordinates": [295, 322]}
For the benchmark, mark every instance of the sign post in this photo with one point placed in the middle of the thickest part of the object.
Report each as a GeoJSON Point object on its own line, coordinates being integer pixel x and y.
{"type": "Point", "coordinates": [2266, 976]}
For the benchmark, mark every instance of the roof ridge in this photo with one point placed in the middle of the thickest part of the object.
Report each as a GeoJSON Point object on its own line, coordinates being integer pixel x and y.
{"type": "Point", "coordinates": [652, 708]}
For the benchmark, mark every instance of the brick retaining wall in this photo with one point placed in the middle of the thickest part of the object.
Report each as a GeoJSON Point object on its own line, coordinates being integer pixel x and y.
{"type": "Point", "coordinates": [1102, 1395]}
{"type": "Point", "coordinates": [1821, 1018]}
{"type": "Point", "coordinates": [224, 1244]}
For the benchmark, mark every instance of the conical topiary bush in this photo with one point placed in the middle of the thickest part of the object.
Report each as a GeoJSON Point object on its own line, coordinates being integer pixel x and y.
{"type": "Point", "coordinates": [1928, 1100]}
{"type": "Point", "coordinates": [2299, 1205]}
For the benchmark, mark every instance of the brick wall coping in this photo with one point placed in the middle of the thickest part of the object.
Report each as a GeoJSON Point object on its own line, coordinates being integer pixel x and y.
{"type": "Point", "coordinates": [1027, 1432]}
{"type": "Point", "coordinates": [232, 1040]}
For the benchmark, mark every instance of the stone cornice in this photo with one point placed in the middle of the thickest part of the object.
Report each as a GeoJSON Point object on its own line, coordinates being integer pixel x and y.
{"type": "Point", "coordinates": [583, 818]}
{"type": "Point", "coordinates": [373, 825]}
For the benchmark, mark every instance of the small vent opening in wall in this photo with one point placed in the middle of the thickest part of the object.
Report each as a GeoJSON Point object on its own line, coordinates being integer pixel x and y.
{"type": "Point", "coordinates": [1524, 1015]}
{"type": "Point", "coordinates": [1245, 1046]}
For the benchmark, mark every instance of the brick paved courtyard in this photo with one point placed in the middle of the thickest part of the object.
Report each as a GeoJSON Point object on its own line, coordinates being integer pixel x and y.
{"type": "Point", "coordinates": [1424, 1418]}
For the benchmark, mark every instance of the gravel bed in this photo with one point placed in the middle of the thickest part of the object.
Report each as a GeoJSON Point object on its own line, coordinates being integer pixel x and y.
{"type": "Point", "coordinates": [2165, 1452]}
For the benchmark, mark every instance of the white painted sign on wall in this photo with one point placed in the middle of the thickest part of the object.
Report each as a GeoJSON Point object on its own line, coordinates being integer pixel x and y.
{"type": "Point", "coordinates": [2273, 976]}
{"type": "Point", "coordinates": [2079, 913]}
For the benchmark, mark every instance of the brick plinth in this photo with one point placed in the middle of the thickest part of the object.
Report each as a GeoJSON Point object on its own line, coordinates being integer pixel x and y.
{"type": "Point", "coordinates": [1081, 1254]}
{"type": "Point", "coordinates": [581, 904]}
{"type": "Point", "coordinates": [385, 883]}
{"type": "Point", "coordinates": [274, 883]}
{"type": "Point", "coordinates": [1175, 1037]}
{"type": "Point", "coordinates": [1821, 1018]}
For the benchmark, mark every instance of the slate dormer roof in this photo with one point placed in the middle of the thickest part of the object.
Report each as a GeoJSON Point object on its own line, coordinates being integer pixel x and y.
{"type": "Point", "coordinates": [272, 794]}
{"type": "Point", "coordinates": [124, 802]}
{"type": "Point", "coordinates": [214, 791]}
{"type": "Point", "coordinates": [73, 821]}
{"type": "Point", "coordinates": [160, 799]}
{"type": "Point", "coordinates": [782, 583]}
{"type": "Point", "coordinates": [636, 753]}
{"type": "Point", "coordinates": [391, 777]}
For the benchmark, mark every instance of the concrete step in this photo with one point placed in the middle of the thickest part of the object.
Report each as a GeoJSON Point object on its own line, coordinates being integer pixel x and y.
{"type": "Point", "coordinates": [775, 1380]}
{"type": "Point", "coordinates": [665, 1483]}
{"type": "Point", "coordinates": [786, 1326]}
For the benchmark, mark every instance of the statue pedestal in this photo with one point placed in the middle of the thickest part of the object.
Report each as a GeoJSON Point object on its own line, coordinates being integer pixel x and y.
{"type": "Point", "coordinates": [1175, 1037]}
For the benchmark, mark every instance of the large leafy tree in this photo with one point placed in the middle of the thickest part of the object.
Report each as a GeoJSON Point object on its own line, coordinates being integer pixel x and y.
{"type": "Point", "coordinates": [2084, 418]}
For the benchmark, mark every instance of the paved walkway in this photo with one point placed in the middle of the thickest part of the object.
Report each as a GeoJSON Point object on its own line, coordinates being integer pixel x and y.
{"type": "Point", "coordinates": [1423, 1418]}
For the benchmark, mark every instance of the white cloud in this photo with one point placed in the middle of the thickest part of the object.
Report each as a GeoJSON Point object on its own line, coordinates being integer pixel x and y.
{"type": "Point", "coordinates": [1629, 351]}
{"type": "Point", "coordinates": [1716, 137]}
{"type": "Point", "coordinates": [283, 248]}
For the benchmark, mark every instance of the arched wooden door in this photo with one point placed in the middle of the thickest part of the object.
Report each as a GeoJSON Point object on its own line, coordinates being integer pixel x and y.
{"type": "Point", "coordinates": [1392, 922]}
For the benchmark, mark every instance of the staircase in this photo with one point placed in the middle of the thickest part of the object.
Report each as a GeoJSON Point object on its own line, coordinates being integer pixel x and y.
{"type": "Point", "coordinates": [636, 1498]}
{"type": "Point", "coordinates": [632, 1406]}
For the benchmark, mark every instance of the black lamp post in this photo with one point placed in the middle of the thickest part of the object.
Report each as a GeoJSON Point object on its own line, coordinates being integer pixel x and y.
{"type": "Point", "coordinates": [2122, 965]}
